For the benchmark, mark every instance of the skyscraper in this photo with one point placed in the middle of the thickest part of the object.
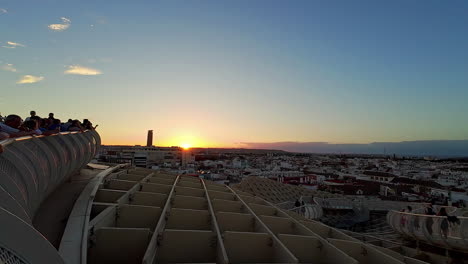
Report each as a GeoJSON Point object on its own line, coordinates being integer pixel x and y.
{"type": "Point", "coordinates": [149, 140]}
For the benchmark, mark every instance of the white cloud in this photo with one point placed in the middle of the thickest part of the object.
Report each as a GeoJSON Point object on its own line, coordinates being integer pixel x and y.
{"type": "Point", "coordinates": [80, 70]}
{"type": "Point", "coordinates": [30, 79]}
{"type": "Point", "coordinates": [11, 43]}
{"type": "Point", "coordinates": [61, 27]}
{"type": "Point", "coordinates": [3, 11]}
{"type": "Point", "coordinates": [9, 67]}
{"type": "Point", "coordinates": [66, 20]}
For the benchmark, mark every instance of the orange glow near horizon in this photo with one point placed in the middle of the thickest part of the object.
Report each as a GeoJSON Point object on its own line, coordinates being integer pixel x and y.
{"type": "Point", "coordinates": [183, 140]}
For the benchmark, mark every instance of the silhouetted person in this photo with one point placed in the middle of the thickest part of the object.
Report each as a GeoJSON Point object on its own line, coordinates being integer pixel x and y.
{"type": "Point", "coordinates": [32, 113]}
{"type": "Point", "coordinates": [297, 203]}
{"type": "Point", "coordinates": [430, 211]}
{"type": "Point", "coordinates": [442, 212]}
{"type": "Point", "coordinates": [444, 225]}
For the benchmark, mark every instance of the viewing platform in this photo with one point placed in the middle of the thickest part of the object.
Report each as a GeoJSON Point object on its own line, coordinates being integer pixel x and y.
{"type": "Point", "coordinates": [133, 215]}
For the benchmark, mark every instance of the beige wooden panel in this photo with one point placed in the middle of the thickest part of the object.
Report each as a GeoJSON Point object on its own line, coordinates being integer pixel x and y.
{"type": "Point", "coordinates": [130, 177]}
{"type": "Point", "coordinates": [187, 246]}
{"type": "Point", "coordinates": [190, 202]}
{"type": "Point", "coordinates": [138, 216]}
{"type": "Point", "coordinates": [222, 195]}
{"type": "Point", "coordinates": [110, 247]}
{"type": "Point", "coordinates": [190, 184]}
{"type": "Point", "coordinates": [229, 221]}
{"type": "Point", "coordinates": [97, 208]}
{"type": "Point", "coordinates": [326, 232]}
{"type": "Point", "coordinates": [281, 225]}
{"type": "Point", "coordinates": [139, 172]}
{"type": "Point", "coordinates": [149, 199]}
{"type": "Point", "coordinates": [158, 180]}
{"type": "Point", "coordinates": [119, 185]}
{"type": "Point", "coordinates": [188, 219]}
{"type": "Point", "coordinates": [264, 210]}
{"type": "Point", "coordinates": [228, 206]}
{"type": "Point", "coordinates": [243, 247]}
{"type": "Point", "coordinates": [247, 199]}
{"type": "Point", "coordinates": [187, 191]}
{"type": "Point", "coordinates": [311, 250]}
{"type": "Point", "coordinates": [217, 187]}
{"type": "Point", "coordinates": [165, 176]}
{"type": "Point", "coordinates": [189, 179]}
{"type": "Point", "coordinates": [108, 196]}
{"type": "Point", "coordinates": [156, 188]}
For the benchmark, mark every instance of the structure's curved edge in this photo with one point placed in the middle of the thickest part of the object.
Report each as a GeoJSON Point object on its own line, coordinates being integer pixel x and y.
{"type": "Point", "coordinates": [13, 248]}
{"type": "Point", "coordinates": [75, 234]}
{"type": "Point", "coordinates": [32, 167]}
{"type": "Point", "coordinates": [441, 231]}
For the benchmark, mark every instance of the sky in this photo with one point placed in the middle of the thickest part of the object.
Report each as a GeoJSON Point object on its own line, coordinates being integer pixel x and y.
{"type": "Point", "coordinates": [230, 73]}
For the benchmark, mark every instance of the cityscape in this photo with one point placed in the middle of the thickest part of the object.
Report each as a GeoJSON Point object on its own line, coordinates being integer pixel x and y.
{"type": "Point", "coordinates": [233, 132]}
{"type": "Point", "coordinates": [421, 179]}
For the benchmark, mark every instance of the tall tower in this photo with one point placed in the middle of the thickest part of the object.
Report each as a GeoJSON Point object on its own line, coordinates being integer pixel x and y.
{"type": "Point", "coordinates": [149, 139]}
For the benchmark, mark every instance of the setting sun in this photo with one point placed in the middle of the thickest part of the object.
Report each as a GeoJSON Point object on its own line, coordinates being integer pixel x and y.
{"type": "Point", "coordinates": [185, 146]}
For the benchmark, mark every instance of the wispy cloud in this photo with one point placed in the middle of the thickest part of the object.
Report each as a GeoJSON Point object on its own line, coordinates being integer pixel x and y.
{"type": "Point", "coordinates": [30, 79]}
{"type": "Point", "coordinates": [61, 27]}
{"type": "Point", "coordinates": [3, 11]}
{"type": "Point", "coordinates": [80, 70]}
{"type": "Point", "coordinates": [13, 45]}
{"type": "Point", "coordinates": [9, 67]}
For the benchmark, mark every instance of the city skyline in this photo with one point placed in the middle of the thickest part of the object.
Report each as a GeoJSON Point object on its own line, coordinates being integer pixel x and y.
{"type": "Point", "coordinates": [222, 74]}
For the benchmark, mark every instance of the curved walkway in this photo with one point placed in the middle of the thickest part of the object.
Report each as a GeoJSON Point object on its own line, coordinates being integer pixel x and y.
{"type": "Point", "coordinates": [442, 231]}
{"type": "Point", "coordinates": [52, 216]}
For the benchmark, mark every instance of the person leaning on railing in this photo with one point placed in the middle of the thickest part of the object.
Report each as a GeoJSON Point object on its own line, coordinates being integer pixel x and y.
{"type": "Point", "coordinates": [13, 127]}
{"type": "Point", "coordinates": [76, 126]}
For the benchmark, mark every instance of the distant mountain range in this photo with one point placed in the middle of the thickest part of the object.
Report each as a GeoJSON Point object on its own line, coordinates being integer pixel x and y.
{"type": "Point", "coordinates": [439, 148]}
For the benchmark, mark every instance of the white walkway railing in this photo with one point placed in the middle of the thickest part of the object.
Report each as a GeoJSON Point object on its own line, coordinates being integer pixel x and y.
{"type": "Point", "coordinates": [447, 232]}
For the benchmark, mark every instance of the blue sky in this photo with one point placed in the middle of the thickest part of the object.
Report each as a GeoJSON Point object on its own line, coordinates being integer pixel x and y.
{"type": "Point", "coordinates": [216, 73]}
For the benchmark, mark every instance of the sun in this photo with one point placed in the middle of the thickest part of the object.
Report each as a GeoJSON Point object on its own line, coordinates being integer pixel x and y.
{"type": "Point", "coordinates": [185, 146]}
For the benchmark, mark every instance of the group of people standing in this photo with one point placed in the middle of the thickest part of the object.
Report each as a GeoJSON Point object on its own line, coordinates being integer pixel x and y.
{"type": "Point", "coordinates": [13, 125]}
